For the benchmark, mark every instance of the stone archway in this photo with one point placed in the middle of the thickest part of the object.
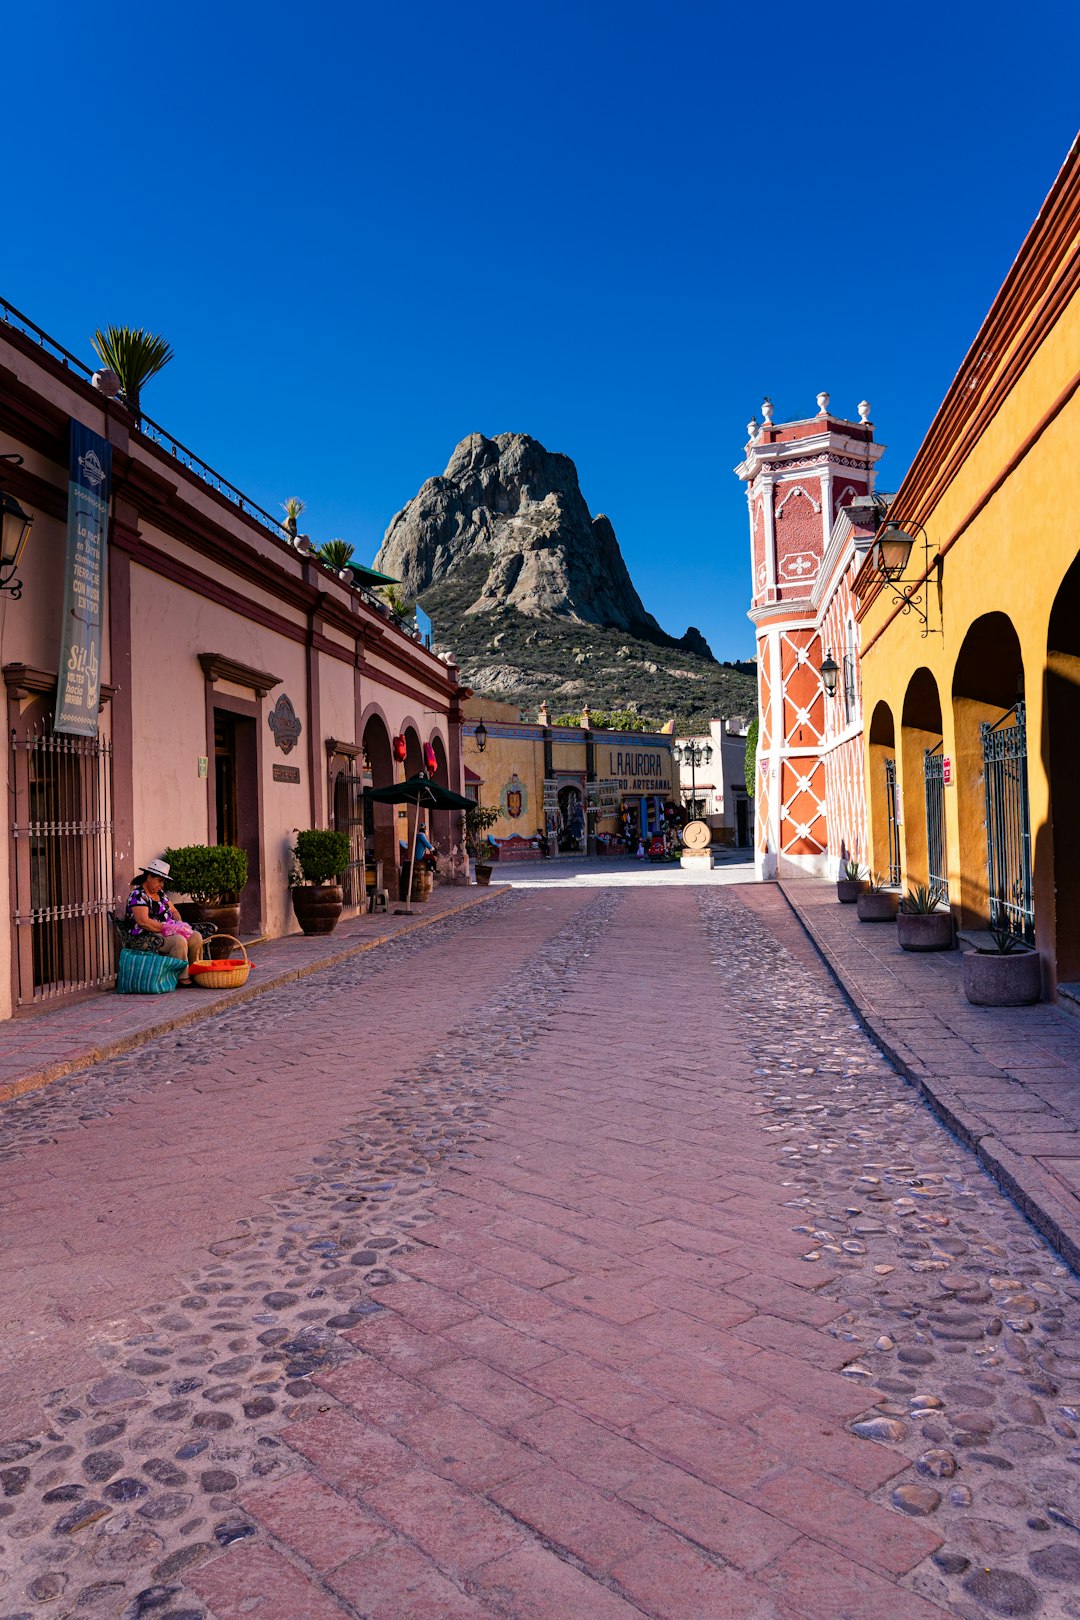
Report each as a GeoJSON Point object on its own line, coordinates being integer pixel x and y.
{"type": "Point", "coordinates": [923, 784]}
{"type": "Point", "coordinates": [987, 690]}
{"type": "Point", "coordinates": [884, 852]}
{"type": "Point", "coordinates": [1061, 755]}
{"type": "Point", "coordinates": [379, 819]}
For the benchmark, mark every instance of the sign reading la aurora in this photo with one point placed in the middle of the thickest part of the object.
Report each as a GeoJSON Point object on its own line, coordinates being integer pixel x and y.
{"type": "Point", "coordinates": [645, 772]}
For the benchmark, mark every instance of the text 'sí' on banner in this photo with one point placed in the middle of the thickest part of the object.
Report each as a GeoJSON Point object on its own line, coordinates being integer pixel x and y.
{"type": "Point", "coordinates": [78, 691]}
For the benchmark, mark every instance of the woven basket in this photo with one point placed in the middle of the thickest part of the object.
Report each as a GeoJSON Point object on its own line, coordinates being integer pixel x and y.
{"type": "Point", "coordinates": [217, 975]}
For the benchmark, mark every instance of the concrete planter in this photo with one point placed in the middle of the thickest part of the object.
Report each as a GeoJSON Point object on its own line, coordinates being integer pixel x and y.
{"type": "Point", "coordinates": [317, 906]}
{"type": "Point", "coordinates": [848, 890]}
{"type": "Point", "coordinates": [991, 980]}
{"type": "Point", "coordinates": [925, 931]}
{"type": "Point", "coordinates": [877, 906]}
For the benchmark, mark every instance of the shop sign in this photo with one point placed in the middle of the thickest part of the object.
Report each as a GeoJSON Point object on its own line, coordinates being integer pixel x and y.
{"type": "Point", "coordinates": [640, 770]}
{"type": "Point", "coordinates": [286, 773]}
{"type": "Point", "coordinates": [79, 686]}
{"type": "Point", "coordinates": [946, 770]}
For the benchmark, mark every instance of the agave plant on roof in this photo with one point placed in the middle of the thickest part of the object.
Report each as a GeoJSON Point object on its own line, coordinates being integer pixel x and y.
{"type": "Point", "coordinates": [336, 554]}
{"type": "Point", "coordinates": [135, 356]}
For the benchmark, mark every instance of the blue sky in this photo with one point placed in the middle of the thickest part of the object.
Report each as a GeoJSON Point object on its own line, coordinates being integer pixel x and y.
{"type": "Point", "coordinates": [370, 230]}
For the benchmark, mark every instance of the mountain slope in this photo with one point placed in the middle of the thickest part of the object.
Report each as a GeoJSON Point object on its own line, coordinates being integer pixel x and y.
{"type": "Point", "coordinates": [532, 595]}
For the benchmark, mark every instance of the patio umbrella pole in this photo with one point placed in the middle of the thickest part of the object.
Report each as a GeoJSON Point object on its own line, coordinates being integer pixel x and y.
{"type": "Point", "coordinates": [412, 860]}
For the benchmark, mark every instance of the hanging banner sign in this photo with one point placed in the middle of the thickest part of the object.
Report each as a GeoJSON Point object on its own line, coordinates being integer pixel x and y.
{"type": "Point", "coordinates": [946, 771]}
{"type": "Point", "coordinates": [79, 685]}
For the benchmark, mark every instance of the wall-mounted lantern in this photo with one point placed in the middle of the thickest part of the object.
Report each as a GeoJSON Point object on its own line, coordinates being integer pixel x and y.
{"type": "Point", "coordinates": [830, 669]}
{"type": "Point", "coordinates": [15, 526]}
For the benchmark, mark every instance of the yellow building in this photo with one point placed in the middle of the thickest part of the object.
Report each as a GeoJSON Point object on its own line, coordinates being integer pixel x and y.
{"type": "Point", "coordinates": [583, 789]}
{"type": "Point", "coordinates": [971, 651]}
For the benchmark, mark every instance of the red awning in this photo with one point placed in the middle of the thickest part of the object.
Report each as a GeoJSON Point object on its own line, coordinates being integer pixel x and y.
{"type": "Point", "coordinates": [471, 776]}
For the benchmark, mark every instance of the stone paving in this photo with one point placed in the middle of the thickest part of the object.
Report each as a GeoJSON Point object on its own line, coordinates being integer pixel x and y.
{"type": "Point", "coordinates": [57, 1041]}
{"type": "Point", "coordinates": [638, 1284]}
{"type": "Point", "coordinates": [1006, 1080]}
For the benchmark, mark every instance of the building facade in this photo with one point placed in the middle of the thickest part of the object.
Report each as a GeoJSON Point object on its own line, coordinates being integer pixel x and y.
{"type": "Point", "coordinates": [587, 791]}
{"type": "Point", "coordinates": [971, 653]}
{"type": "Point", "coordinates": [715, 791]}
{"type": "Point", "coordinates": [233, 689]}
{"type": "Point", "coordinates": [809, 487]}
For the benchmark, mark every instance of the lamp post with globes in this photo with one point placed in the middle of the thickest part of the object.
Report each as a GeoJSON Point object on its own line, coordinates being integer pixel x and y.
{"type": "Point", "coordinates": [693, 754]}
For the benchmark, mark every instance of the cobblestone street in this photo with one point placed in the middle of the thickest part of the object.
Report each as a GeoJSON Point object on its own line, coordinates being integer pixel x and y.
{"type": "Point", "coordinates": [577, 1257]}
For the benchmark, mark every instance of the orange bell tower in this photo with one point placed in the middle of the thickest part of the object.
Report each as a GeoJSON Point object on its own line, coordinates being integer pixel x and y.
{"type": "Point", "coordinates": [798, 475]}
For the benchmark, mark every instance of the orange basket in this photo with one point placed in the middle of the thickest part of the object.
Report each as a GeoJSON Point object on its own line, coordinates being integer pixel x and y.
{"type": "Point", "coordinates": [223, 972]}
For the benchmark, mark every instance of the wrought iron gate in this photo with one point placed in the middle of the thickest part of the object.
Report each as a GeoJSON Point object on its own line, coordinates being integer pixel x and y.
{"type": "Point", "coordinates": [892, 813]}
{"type": "Point", "coordinates": [62, 834]}
{"type": "Point", "coordinates": [349, 818]}
{"type": "Point", "coordinates": [936, 865]}
{"type": "Point", "coordinates": [1008, 824]}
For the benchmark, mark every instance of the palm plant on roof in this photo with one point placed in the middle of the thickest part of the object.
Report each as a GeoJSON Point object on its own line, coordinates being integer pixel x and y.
{"type": "Point", "coordinates": [292, 509]}
{"type": "Point", "coordinates": [135, 356]}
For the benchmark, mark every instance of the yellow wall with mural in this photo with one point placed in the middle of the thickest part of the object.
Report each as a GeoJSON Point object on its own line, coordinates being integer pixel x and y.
{"type": "Point", "coordinates": [995, 486]}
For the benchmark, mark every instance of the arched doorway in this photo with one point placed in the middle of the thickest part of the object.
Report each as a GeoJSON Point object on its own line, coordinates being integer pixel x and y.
{"type": "Point", "coordinates": [884, 804]}
{"type": "Point", "coordinates": [1062, 757]}
{"type": "Point", "coordinates": [379, 837]}
{"type": "Point", "coordinates": [921, 755]}
{"type": "Point", "coordinates": [993, 807]}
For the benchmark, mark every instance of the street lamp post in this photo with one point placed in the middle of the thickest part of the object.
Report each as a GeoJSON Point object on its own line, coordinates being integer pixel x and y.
{"type": "Point", "coordinates": [692, 754]}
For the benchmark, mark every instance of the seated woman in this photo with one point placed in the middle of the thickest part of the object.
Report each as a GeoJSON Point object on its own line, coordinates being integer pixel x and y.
{"type": "Point", "coordinates": [148, 911]}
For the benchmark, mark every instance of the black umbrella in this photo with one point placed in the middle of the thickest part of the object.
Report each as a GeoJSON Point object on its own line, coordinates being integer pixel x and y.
{"type": "Point", "coordinates": [418, 790]}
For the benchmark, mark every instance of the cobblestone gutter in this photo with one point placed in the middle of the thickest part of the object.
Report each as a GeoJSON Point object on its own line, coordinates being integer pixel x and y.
{"type": "Point", "coordinates": [962, 1317]}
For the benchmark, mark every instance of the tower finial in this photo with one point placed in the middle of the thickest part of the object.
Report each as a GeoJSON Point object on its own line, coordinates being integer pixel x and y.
{"type": "Point", "coordinates": [823, 404]}
{"type": "Point", "coordinates": [767, 410]}
{"type": "Point", "coordinates": [864, 410]}
{"type": "Point", "coordinates": [752, 429]}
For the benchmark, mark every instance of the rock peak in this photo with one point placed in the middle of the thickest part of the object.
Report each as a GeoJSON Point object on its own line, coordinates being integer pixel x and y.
{"type": "Point", "coordinates": [518, 507]}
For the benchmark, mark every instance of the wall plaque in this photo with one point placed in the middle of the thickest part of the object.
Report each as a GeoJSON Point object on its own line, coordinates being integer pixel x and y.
{"type": "Point", "coordinates": [286, 773]}
{"type": "Point", "coordinates": [284, 722]}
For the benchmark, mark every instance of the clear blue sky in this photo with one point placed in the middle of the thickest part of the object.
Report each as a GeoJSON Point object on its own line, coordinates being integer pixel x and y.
{"type": "Point", "coordinates": [369, 230]}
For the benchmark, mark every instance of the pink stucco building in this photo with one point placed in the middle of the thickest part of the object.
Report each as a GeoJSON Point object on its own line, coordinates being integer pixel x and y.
{"type": "Point", "coordinates": [245, 689]}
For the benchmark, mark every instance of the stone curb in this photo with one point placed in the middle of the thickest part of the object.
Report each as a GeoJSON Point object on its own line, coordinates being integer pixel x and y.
{"type": "Point", "coordinates": [1016, 1176]}
{"type": "Point", "coordinates": [207, 1007]}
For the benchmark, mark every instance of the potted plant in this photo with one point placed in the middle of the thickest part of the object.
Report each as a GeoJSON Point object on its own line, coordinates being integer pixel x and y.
{"type": "Point", "coordinates": [1005, 974]}
{"type": "Point", "coordinates": [478, 823]}
{"type": "Point", "coordinates": [920, 924]}
{"type": "Point", "coordinates": [321, 855]}
{"type": "Point", "coordinates": [135, 356]}
{"type": "Point", "coordinates": [877, 903]}
{"type": "Point", "coordinates": [212, 875]}
{"type": "Point", "coordinates": [850, 882]}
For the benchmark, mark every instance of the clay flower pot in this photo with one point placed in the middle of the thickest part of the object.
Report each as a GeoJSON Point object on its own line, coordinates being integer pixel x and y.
{"type": "Point", "coordinates": [848, 890]}
{"type": "Point", "coordinates": [992, 979]}
{"type": "Point", "coordinates": [223, 919]}
{"type": "Point", "coordinates": [924, 930]}
{"type": "Point", "coordinates": [877, 905]}
{"type": "Point", "coordinates": [317, 906]}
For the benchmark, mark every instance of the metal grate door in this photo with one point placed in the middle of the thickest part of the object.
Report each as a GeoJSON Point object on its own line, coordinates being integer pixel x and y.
{"type": "Point", "coordinates": [62, 835]}
{"type": "Point", "coordinates": [349, 818]}
{"type": "Point", "coordinates": [892, 814]}
{"type": "Point", "coordinates": [934, 778]}
{"type": "Point", "coordinates": [1008, 824]}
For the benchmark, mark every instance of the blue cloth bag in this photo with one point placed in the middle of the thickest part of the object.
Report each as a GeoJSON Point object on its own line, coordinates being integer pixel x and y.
{"type": "Point", "coordinates": [148, 973]}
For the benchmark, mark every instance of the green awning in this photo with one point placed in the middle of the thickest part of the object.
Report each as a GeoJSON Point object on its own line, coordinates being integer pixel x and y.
{"type": "Point", "coordinates": [371, 576]}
